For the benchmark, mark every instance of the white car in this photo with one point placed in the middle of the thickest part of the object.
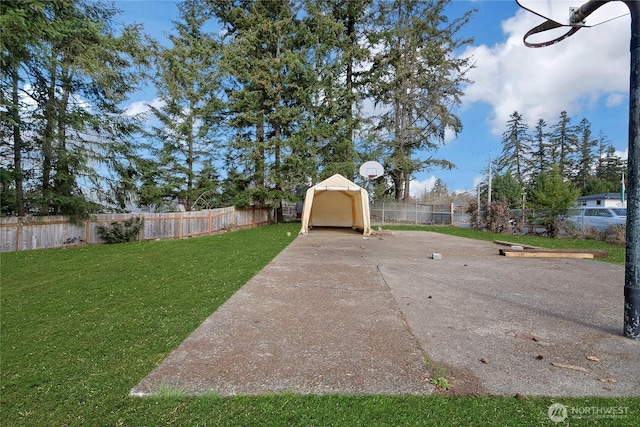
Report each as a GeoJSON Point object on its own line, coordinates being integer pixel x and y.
{"type": "Point", "coordinates": [598, 218]}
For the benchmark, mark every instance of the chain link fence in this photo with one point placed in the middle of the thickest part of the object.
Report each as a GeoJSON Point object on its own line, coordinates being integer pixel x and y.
{"type": "Point", "coordinates": [418, 213]}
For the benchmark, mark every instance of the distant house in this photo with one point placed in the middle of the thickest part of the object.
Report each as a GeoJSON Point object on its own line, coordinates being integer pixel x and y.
{"type": "Point", "coordinates": [605, 200]}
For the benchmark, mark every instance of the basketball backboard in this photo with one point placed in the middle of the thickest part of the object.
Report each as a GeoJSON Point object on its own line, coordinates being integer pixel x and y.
{"type": "Point", "coordinates": [560, 11]}
{"type": "Point", "coordinates": [371, 170]}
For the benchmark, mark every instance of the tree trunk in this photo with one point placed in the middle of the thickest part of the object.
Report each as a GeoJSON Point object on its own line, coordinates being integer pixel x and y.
{"type": "Point", "coordinates": [48, 136]}
{"type": "Point", "coordinates": [259, 177]}
{"type": "Point", "coordinates": [276, 174]}
{"type": "Point", "coordinates": [63, 180]}
{"type": "Point", "coordinates": [17, 142]}
{"type": "Point", "coordinates": [190, 159]}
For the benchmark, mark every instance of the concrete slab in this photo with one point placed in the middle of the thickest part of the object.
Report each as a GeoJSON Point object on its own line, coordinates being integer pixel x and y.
{"type": "Point", "coordinates": [339, 313]}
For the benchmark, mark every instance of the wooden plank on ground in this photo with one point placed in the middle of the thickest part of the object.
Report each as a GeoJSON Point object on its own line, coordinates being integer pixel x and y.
{"type": "Point", "coordinates": [503, 243]}
{"type": "Point", "coordinates": [554, 253]}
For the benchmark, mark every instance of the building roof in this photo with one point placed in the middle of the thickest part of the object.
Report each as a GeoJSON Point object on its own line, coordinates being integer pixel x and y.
{"type": "Point", "coordinates": [610, 196]}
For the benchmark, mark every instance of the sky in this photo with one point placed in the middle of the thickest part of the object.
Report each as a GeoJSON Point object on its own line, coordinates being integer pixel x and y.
{"type": "Point", "coordinates": [586, 75]}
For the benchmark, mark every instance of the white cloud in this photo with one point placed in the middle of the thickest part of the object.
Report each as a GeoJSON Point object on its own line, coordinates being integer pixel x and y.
{"type": "Point", "coordinates": [540, 83]}
{"type": "Point", "coordinates": [624, 155]}
{"type": "Point", "coordinates": [449, 135]}
{"type": "Point", "coordinates": [615, 99]}
{"type": "Point", "coordinates": [417, 188]}
{"type": "Point", "coordinates": [142, 107]}
{"type": "Point", "coordinates": [26, 97]}
{"type": "Point", "coordinates": [478, 179]}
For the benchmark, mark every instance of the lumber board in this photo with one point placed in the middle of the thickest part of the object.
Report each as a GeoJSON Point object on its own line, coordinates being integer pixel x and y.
{"type": "Point", "coordinates": [541, 253]}
{"type": "Point", "coordinates": [503, 243]}
{"type": "Point", "coordinates": [555, 253]}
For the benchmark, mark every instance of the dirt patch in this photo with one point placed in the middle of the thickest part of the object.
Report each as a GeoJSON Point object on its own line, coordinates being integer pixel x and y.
{"type": "Point", "coordinates": [463, 382]}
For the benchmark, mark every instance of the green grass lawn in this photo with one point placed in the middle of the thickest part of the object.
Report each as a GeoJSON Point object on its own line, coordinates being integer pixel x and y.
{"type": "Point", "coordinates": [80, 327]}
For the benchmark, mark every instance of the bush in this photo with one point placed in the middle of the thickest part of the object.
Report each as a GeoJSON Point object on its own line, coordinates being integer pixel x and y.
{"type": "Point", "coordinates": [475, 220]}
{"type": "Point", "coordinates": [499, 218]}
{"type": "Point", "coordinates": [121, 232]}
{"type": "Point", "coordinates": [615, 235]}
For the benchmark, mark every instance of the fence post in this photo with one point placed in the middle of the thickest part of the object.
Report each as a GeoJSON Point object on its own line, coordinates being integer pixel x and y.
{"type": "Point", "coordinates": [19, 234]}
{"type": "Point", "coordinates": [416, 212]}
{"type": "Point", "coordinates": [234, 217]}
{"type": "Point", "coordinates": [141, 229]}
{"type": "Point", "coordinates": [452, 213]}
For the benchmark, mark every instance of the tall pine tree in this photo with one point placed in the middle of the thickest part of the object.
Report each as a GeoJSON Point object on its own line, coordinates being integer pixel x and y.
{"type": "Point", "coordinates": [563, 139]}
{"type": "Point", "coordinates": [188, 84]}
{"type": "Point", "coordinates": [585, 159]}
{"type": "Point", "coordinates": [266, 57]}
{"type": "Point", "coordinates": [76, 68]}
{"type": "Point", "coordinates": [416, 80]}
{"type": "Point", "coordinates": [515, 149]}
{"type": "Point", "coordinates": [540, 161]}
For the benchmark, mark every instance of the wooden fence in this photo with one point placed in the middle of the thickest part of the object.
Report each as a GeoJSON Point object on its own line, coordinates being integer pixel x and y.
{"type": "Point", "coordinates": [25, 233]}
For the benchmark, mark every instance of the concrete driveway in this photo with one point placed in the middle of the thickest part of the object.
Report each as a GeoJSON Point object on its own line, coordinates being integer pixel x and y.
{"type": "Point", "coordinates": [336, 312]}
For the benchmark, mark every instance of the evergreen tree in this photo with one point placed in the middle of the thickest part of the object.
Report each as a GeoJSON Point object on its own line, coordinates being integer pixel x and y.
{"type": "Point", "coordinates": [515, 148]}
{"type": "Point", "coordinates": [552, 196]}
{"type": "Point", "coordinates": [416, 80]}
{"type": "Point", "coordinates": [611, 169]}
{"type": "Point", "coordinates": [439, 192]}
{"type": "Point", "coordinates": [505, 188]}
{"type": "Point", "coordinates": [339, 54]}
{"type": "Point", "coordinates": [208, 187]}
{"type": "Point", "coordinates": [188, 85]}
{"type": "Point", "coordinates": [24, 26]}
{"type": "Point", "coordinates": [585, 160]}
{"type": "Point", "coordinates": [314, 146]}
{"type": "Point", "coordinates": [563, 141]}
{"type": "Point", "coordinates": [265, 61]}
{"type": "Point", "coordinates": [76, 71]}
{"type": "Point", "coordinates": [608, 168]}
{"type": "Point", "coordinates": [602, 146]}
{"type": "Point", "coordinates": [540, 150]}
{"type": "Point", "coordinates": [595, 185]}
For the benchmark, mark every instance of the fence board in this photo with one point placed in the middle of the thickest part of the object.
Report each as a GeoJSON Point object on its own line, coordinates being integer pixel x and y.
{"type": "Point", "coordinates": [26, 233]}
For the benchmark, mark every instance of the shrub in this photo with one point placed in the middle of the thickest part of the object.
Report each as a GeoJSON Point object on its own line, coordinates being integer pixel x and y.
{"type": "Point", "coordinates": [121, 232]}
{"type": "Point", "coordinates": [551, 196]}
{"type": "Point", "coordinates": [552, 221]}
{"type": "Point", "coordinates": [570, 230]}
{"type": "Point", "coordinates": [475, 220]}
{"type": "Point", "coordinates": [499, 218]}
{"type": "Point", "coordinates": [615, 235]}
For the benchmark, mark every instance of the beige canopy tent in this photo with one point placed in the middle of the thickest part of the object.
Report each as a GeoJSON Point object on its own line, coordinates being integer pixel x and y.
{"type": "Point", "coordinates": [336, 202]}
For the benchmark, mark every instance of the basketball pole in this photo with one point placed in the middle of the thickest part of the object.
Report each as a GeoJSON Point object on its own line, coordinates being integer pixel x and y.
{"type": "Point", "coordinates": [631, 327]}
{"type": "Point", "coordinates": [632, 259]}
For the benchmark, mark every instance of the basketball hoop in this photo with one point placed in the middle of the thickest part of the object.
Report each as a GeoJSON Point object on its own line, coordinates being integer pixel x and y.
{"type": "Point", "coordinates": [563, 21]}
{"type": "Point", "coordinates": [547, 26]}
